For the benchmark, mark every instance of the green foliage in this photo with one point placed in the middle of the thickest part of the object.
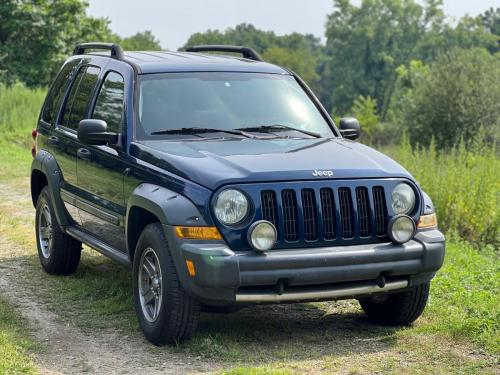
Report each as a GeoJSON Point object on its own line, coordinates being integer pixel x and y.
{"type": "Point", "coordinates": [299, 61]}
{"type": "Point", "coordinates": [365, 110]}
{"type": "Point", "coordinates": [142, 41]}
{"type": "Point", "coordinates": [459, 94]}
{"type": "Point", "coordinates": [463, 184]}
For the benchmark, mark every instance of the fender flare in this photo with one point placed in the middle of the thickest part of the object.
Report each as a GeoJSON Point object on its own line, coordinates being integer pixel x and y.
{"type": "Point", "coordinates": [45, 163]}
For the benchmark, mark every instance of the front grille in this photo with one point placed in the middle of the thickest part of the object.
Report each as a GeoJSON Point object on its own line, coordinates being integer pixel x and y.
{"type": "Point", "coordinates": [326, 214]}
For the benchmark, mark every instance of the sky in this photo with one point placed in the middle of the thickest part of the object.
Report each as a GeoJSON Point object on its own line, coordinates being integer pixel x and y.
{"type": "Point", "coordinates": [173, 21]}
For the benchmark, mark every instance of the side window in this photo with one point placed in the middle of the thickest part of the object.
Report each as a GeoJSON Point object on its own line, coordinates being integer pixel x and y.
{"type": "Point", "coordinates": [56, 93]}
{"type": "Point", "coordinates": [109, 104]}
{"type": "Point", "coordinates": [79, 97]}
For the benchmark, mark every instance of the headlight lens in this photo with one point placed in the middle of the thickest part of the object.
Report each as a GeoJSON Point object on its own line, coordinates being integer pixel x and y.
{"type": "Point", "coordinates": [403, 199]}
{"type": "Point", "coordinates": [231, 207]}
{"type": "Point", "coordinates": [262, 235]}
{"type": "Point", "coordinates": [401, 229]}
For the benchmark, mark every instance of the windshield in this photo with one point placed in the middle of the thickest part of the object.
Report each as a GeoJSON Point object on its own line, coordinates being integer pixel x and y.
{"type": "Point", "coordinates": [225, 101]}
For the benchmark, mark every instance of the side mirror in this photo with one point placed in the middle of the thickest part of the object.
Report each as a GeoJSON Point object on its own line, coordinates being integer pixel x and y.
{"type": "Point", "coordinates": [349, 128]}
{"type": "Point", "coordinates": [94, 132]}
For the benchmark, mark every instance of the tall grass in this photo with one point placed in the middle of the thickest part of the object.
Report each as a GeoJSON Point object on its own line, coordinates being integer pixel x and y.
{"type": "Point", "coordinates": [464, 185]}
{"type": "Point", "coordinates": [19, 109]}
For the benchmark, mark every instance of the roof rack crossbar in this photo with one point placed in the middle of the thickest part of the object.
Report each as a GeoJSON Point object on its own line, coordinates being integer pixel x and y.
{"type": "Point", "coordinates": [247, 52]}
{"type": "Point", "coordinates": [115, 49]}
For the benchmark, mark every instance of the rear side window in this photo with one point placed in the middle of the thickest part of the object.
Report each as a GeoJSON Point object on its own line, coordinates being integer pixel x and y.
{"type": "Point", "coordinates": [109, 104]}
{"type": "Point", "coordinates": [79, 97]}
{"type": "Point", "coordinates": [56, 92]}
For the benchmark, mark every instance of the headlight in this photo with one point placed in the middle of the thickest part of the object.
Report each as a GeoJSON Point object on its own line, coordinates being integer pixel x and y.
{"type": "Point", "coordinates": [231, 207]}
{"type": "Point", "coordinates": [401, 229]}
{"type": "Point", "coordinates": [262, 235]}
{"type": "Point", "coordinates": [403, 199]}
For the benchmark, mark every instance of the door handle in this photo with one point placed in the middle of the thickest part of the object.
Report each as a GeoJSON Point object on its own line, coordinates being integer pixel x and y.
{"type": "Point", "coordinates": [84, 154]}
{"type": "Point", "coordinates": [53, 140]}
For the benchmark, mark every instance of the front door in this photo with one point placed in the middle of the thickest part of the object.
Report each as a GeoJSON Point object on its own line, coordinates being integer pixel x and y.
{"type": "Point", "coordinates": [100, 169]}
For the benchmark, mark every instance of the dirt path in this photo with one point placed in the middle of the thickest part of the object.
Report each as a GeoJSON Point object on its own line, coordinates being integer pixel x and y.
{"type": "Point", "coordinates": [68, 350]}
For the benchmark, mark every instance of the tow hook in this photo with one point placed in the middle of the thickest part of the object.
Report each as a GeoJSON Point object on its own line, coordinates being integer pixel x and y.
{"type": "Point", "coordinates": [380, 281]}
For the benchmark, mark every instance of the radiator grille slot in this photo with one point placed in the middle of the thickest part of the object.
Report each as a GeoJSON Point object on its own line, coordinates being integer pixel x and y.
{"type": "Point", "coordinates": [289, 202]}
{"type": "Point", "coordinates": [328, 212]}
{"type": "Point", "coordinates": [380, 211]}
{"type": "Point", "coordinates": [310, 215]}
{"type": "Point", "coordinates": [346, 214]}
{"type": "Point", "coordinates": [269, 208]}
{"type": "Point", "coordinates": [363, 205]}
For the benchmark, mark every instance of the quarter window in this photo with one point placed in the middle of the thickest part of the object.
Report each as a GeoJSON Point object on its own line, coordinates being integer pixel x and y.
{"type": "Point", "coordinates": [79, 97]}
{"type": "Point", "coordinates": [109, 105]}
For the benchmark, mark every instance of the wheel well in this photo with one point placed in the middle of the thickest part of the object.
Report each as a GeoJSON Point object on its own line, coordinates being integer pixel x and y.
{"type": "Point", "coordinates": [38, 182]}
{"type": "Point", "coordinates": [138, 219]}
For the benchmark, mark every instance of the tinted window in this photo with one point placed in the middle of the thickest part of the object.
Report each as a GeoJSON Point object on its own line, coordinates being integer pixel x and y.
{"type": "Point", "coordinates": [79, 96]}
{"type": "Point", "coordinates": [109, 105]}
{"type": "Point", "coordinates": [56, 92]}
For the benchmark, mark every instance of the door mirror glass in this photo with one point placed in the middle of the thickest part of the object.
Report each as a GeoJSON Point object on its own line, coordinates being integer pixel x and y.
{"type": "Point", "coordinates": [94, 132]}
{"type": "Point", "coordinates": [349, 128]}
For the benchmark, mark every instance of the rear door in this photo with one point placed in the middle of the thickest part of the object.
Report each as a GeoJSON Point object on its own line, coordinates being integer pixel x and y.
{"type": "Point", "coordinates": [100, 169]}
{"type": "Point", "coordinates": [63, 141]}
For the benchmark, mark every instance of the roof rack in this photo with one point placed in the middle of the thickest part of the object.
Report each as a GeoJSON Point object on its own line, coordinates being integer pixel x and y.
{"type": "Point", "coordinates": [247, 52]}
{"type": "Point", "coordinates": [116, 50]}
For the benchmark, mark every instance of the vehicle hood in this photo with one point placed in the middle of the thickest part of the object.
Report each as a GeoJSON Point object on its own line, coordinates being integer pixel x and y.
{"type": "Point", "coordinates": [213, 163]}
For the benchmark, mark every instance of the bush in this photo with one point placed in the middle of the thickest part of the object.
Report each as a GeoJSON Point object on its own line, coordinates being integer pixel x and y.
{"type": "Point", "coordinates": [463, 184]}
{"type": "Point", "coordinates": [456, 96]}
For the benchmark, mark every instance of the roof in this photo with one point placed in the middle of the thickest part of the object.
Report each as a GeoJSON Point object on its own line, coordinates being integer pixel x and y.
{"type": "Point", "coordinates": [166, 61]}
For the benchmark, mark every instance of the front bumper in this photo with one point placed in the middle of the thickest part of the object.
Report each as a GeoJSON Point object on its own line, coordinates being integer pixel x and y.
{"type": "Point", "coordinates": [224, 276]}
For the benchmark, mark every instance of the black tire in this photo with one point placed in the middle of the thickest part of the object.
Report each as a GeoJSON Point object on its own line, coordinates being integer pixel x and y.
{"type": "Point", "coordinates": [176, 318]}
{"type": "Point", "coordinates": [397, 309]}
{"type": "Point", "coordinates": [59, 253]}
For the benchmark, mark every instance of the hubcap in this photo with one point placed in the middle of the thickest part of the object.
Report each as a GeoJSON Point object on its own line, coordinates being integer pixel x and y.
{"type": "Point", "coordinates": [45, 230]}
{"type": "Point", "coordinates": [150, 293]}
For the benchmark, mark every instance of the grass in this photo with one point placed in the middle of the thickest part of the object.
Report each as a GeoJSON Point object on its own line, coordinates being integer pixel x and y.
{"type": "Point", "coordinates": [459, 331]}
{"type": "Point", "coordinates": [15, 343]}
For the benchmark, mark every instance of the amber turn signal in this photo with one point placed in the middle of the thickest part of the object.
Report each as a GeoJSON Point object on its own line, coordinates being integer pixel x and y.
{"type": "Point", "coordinates": [198, 233]}
{"type": "Point", "coordinates": [190, 267]}
{"type": "Point", "coordinates": [427, 221]}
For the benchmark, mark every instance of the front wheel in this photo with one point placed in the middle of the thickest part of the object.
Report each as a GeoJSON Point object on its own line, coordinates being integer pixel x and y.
{"type": "Point", "coordinates": [399, 308]}
{"type": "Point", "coordinates": [166, 313]}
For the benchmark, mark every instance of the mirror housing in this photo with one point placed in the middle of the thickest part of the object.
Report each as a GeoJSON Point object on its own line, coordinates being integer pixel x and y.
{"type": "Point", "coordinates": [94, 132]}
{"type": "Point", "coordinates": [349, 128]}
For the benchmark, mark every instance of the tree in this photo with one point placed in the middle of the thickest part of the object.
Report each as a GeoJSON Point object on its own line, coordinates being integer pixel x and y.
{"type": "Point", "coordinates": [299, 61]}
{"type": "Point", "coordinates": [366, 44]}
{"type": "Point", "coordinates": [142, 41]}
{"type": "Point", "coordinates": [36, 34]}
{"type": "Point", "coordinates": [455, 98]}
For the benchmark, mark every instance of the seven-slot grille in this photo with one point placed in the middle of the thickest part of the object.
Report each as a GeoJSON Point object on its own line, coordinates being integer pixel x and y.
{"type": "Point", "coordinates": [327, 214]}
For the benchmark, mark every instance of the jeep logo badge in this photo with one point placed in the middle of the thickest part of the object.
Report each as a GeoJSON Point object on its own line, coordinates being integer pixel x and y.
{"type": "Point", "coordinates": [317, 173]}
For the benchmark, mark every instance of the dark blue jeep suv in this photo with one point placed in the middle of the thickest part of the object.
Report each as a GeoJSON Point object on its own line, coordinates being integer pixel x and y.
{"type": "Point", "coordinates": [222, 182]}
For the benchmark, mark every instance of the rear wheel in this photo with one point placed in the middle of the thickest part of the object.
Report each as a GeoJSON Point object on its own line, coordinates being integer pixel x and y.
{"type": "Point", "coordinates": [59, 253]}
{"type": "Point", "coordinates": [398, 308]}
{"type": "Point", "coordinates": [166, 313]}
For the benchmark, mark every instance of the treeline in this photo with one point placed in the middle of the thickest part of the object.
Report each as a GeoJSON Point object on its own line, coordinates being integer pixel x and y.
{"type": "Point", "coordinates": [395, 64]}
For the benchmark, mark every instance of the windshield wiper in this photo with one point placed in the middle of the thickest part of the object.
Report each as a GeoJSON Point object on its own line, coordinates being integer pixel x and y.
{"type": "Point", "coordinates": [198, 130]}
{"type": "Point", "coordinates": [267, 128]}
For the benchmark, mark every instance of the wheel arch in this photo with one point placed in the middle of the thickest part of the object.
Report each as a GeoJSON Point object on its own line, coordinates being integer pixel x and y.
{"type": "Point", "coordinates": [151, 203]}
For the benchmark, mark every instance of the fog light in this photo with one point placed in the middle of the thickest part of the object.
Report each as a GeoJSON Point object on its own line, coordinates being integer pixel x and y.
{"type": "Point", "coordinates": [401, 229]}
{"type": "Point", "coordinates": [262, 235]}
